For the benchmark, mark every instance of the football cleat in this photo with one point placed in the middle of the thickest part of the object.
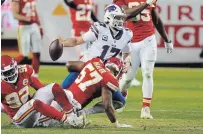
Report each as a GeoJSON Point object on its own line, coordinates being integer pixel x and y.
{"type": "Point", "coordinates": [145, 113]}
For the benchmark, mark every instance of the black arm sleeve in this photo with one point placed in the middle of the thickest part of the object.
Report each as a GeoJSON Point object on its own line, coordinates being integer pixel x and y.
{"type": "Point", "coordinates": [71, 4]}
{"type": "Point", "coordinates": [94, 18]}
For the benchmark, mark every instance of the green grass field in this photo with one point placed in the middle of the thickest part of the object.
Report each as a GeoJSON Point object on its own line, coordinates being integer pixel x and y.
{"type": "Point", "coordinates": [177, 106]}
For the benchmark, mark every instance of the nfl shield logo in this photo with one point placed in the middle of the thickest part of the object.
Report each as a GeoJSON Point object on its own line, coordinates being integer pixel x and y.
{"type": "Point", "coordinates": [104, 37]}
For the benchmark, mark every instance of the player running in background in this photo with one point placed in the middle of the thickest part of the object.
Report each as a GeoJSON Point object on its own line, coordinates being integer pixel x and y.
{"type": "Point", "coordinates": [144, 47]}
{"type": "Point", "coordinates": [29, 37]}
{"type": "Point", "coordinates": [82, 15]}
{"type": "Point", "coordinates": [24, 110]}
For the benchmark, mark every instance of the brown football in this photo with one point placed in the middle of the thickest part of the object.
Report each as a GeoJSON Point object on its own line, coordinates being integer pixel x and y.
{"type": "Point", "coordinates": [55, 49]}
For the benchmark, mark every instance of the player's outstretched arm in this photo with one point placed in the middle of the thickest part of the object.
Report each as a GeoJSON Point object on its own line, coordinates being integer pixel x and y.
{"type": "Point", "coordinates": [15, 11]}
{"type": "Point", "coordinates": [93, 17]}
{"type": "Point", "coordinates": [71, 42]}
{"type": "Point", "coordinates": [71, 4]}
{"type": "Point", "coordinates": [75, 66]}
{"type": "Point", "coordinates": [134, 11]}
{"type": "Point", "coordinates": [109, 109]}
{"type": "Point", "coordinates": [108, 105]}
{"type": "Point", "coordinates": [160, 28]}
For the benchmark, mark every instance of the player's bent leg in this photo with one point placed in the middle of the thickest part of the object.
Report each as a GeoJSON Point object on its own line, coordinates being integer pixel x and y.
{"type": "Point", "coordinates": [36, 63]}
{"type": "Point", "coordinates": [69, 80]}
{"type": "Point", "coordinates": [23, 43]}
{"type": "Point", "coordinates": [36, 41]}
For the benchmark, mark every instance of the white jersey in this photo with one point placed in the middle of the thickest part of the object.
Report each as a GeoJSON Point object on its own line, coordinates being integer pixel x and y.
{"type": "Point", "coordinates": [104, 45]}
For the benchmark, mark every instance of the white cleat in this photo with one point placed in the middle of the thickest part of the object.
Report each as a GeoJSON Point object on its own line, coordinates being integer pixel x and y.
{"type": "Point", "coordinates": [135, 83]}
{"type": "Point", "coordinates": [145, 113]}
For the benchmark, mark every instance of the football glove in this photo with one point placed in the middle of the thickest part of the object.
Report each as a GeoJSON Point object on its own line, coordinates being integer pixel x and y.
{"type": "Point", "coordinates": [118, 125]}
{"type": "Point", "coordinates": [169, 46]}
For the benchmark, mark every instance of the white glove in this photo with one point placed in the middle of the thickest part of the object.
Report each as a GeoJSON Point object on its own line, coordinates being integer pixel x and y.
{"type": "Point", "coordinates": [169, 46]}
{"type": "Point", "coordinates": [126, 67]}
{"type": "Point", "coordinates": [118, 125]}
{"type": "Point", "coordinates": [150, 2]}
{"type": "Point", "coordinates": [76, 121]}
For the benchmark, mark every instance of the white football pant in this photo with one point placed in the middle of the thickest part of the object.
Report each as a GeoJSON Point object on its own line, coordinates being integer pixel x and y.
{"type": "Point", "coordinates": [29, 39]}
{"type": "Point", "coordinates": [144, 53]}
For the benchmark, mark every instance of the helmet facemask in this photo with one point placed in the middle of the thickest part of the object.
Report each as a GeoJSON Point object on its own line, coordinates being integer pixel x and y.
{"type": "Point", "coordinates": [10, 74]}
{"type": "Point", "coordinates": [114, 17]}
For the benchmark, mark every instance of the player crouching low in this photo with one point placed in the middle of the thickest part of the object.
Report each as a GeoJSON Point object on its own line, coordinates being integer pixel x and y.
{"type": "Point", "coordinates": [24, 110]}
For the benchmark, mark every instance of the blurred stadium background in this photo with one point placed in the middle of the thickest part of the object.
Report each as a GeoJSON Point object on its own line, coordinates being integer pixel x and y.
{"type": "Point", "coordinates": [178, 98]}
{"type": "Point", "coordinates": [183, 21]}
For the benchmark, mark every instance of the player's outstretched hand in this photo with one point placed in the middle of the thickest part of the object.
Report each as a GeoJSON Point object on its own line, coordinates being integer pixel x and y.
{"type": "Point", "coordinates": [118, 125]}
{"type": "Point", "coordinates": [169, 46]}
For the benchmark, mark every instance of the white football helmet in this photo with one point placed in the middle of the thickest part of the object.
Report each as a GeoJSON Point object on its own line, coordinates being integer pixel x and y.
{"type": "Point", "coordinates": [114, 16]}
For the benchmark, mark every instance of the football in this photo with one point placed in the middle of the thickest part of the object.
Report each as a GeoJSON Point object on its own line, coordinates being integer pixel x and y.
{"type": "Point", "coordinates": [55, 49]}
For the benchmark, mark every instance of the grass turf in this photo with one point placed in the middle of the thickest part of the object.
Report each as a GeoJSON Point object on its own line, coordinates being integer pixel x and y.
{"type": "Point", "coordinates": [177, 106]}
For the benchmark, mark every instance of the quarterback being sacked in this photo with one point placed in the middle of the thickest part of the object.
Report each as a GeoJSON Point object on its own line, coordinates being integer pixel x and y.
{"type": "Point", "coordinates": [144, 47]}
{"type": "Point", "coordinates": [98, 80]}
{"type": "Point", "coordinates": [108, 39]}
{"type": "Point", "coordinates": [25, 110]}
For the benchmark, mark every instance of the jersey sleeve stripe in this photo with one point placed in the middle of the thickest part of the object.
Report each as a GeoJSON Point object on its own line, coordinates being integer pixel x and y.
{"type": "Point", "coordinates": [95, 28]}
{"type": "Point", "coordinates": [96, 35]}
{"type": "Point", "coordinates": [112, 86]}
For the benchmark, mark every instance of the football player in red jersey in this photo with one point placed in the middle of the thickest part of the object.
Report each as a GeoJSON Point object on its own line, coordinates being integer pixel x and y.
{"type": "Point", "coordinates": [29, 36]}
{"type": "Point", "coordinates": [144, 47]}
{"type": "Point", "coordinates": [25, 110]}
{"type": "Point", "coordinates": [97, 80]}
{"type": "Point", "coordinates": [82, 16]}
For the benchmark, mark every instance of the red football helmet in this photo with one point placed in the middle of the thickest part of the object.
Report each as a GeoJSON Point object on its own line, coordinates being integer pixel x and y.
{"type": "Point", "coordinates": [116, 64]}
{"type": "Point", "coordinates": [9, 69]}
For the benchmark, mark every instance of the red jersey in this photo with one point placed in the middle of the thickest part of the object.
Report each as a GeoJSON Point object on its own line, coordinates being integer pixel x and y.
{"type": "Point", "coordinates": [14, 96]}
{"type": "Point", "coordinates": [141, 25]}
{"type": "Point", "coordinates": [81, 19]}
{"type": "Point", "coordinates": [89, 83]}
{"type": "Point", "coordinates": [28, 8]}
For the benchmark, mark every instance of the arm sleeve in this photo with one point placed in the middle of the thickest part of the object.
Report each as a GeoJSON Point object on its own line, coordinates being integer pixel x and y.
{"type": "Point", "coordinates": [92, 34]}
{"type": "Point", "coordinates": [34, 82]}
{"type": "Point", "coordinates": [119, 2]}
{"type": "Point", "coordinates": [111, 82]}
{"type": "Point", "coordinates": [71, 4]}
{"type": "Point", "coordinates": [127, 48]}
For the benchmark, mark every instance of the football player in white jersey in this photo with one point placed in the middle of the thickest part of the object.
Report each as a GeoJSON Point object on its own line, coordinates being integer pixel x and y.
{"type": "Point", "coordinates": [108, 39]}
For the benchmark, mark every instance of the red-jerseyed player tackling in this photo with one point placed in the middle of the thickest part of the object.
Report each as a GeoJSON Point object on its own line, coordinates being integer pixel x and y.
{"type": "Point", "coordinates": [29, 36]}
{"type": "Point", "coordinates": [97, 80]}
{"type": "Point", "coordinates": [144, 47]}
{"type": "Point", "coordinates": [24, 110]}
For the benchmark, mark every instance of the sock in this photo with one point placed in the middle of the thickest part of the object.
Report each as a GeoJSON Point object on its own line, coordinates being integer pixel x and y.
{"type": "Point", "coordinates": [49, 111]}
{"type": "Point", "coordinates": [61, 98]}
{"type": "Point", "coordinates": [69, 80]}
{"type": "Point", "coordinates": [36, 62]}
{"type": "Point", "coordinates": [19, 58]}
{"type": "Point", "coordinates": [146, 102]}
